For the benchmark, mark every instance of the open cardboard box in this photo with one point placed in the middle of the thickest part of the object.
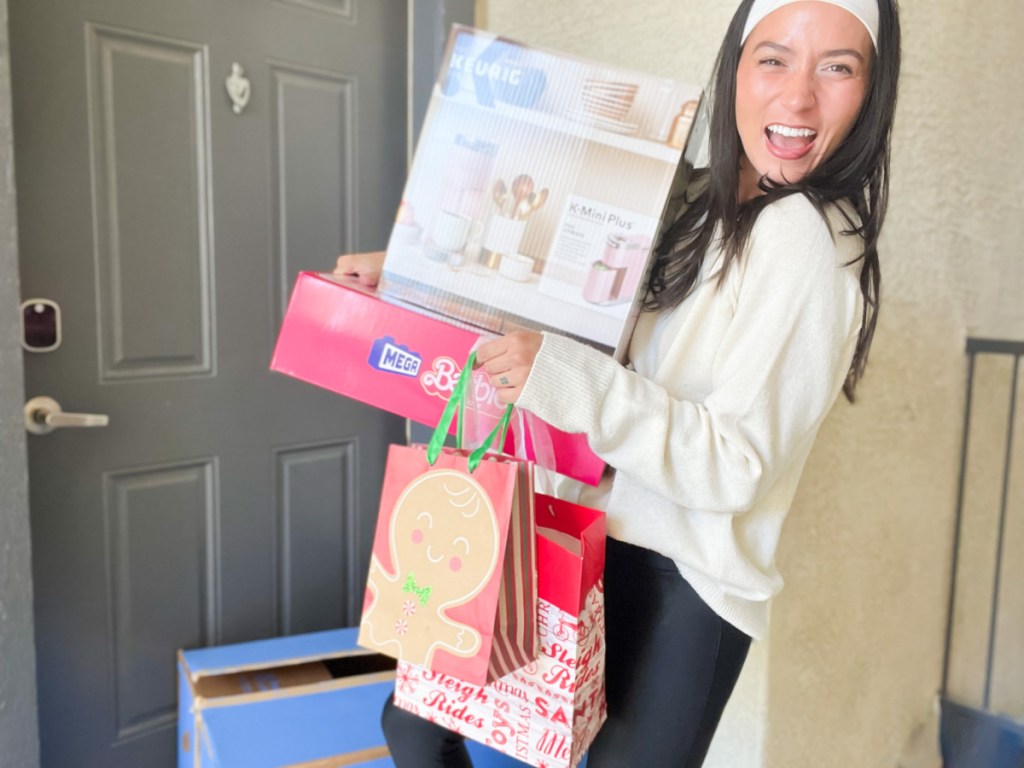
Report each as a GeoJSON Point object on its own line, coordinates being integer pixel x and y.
{"type": "Point", "coordinates": [306, 701]}
{"type": "Point", "coordinates": [539, 185]}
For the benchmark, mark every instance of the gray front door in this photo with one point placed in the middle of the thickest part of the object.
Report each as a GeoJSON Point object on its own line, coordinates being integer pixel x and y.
{"type": "Point", "coordinates": [222, 502]}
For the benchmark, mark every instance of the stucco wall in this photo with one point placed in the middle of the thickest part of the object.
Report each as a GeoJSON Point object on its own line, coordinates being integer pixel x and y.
{"type": "Point", "coordinates": [849, 672]}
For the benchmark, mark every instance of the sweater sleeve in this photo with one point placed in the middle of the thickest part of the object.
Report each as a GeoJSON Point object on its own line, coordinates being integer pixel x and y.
{"type": "Point", "coordinates": [775, 375]}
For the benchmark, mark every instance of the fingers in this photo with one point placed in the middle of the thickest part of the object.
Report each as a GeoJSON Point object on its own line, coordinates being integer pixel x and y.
{"type": "Point", "coordinates": [507, 361]}
{"type": "Point", "coordinates": [509, 384]}
{"type": "Point", "coordinates": [488, 351]}
{"type": "Point", "coordinates": [366, 267]}
{"type": "Point", "coordinates": [514, 350]}
{"type": "Point", "coordinates": [346, 264]}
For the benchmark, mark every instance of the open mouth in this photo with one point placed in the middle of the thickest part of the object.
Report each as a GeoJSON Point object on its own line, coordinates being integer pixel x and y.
{"type": "Point", "coordinates": [787, 142]}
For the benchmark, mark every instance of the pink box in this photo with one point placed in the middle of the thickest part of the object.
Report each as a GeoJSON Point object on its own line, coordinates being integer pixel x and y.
{"type": "Point", "coordinates": [341, 336]}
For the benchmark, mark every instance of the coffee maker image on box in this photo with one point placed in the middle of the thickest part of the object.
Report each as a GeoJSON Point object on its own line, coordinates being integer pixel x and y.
{"type": "Point", "coordinates": [614, 278]}
{"type": "Point", "coordinates": [466, 175]}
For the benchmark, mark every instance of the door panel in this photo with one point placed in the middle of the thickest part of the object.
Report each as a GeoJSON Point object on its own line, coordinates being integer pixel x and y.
{"type": "Point", "coordinates": [150, 151]}
{"type": "Point", "coordinates": [312, 172]}
{"type": "Point", "coordinates": [223, 502]}
{"type": "Point", "coordinates": [318, 578]}
{"type": "Point", "coordinates": [161, 526]}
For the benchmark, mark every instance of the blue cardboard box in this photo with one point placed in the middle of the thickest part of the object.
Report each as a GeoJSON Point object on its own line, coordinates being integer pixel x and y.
{"type": "Point", "coordinates": [290, 701]}
{"type": "Point", "coordinates": [306, 701]}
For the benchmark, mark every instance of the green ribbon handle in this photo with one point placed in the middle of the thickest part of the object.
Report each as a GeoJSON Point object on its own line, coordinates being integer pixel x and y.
{"type": "Point", "coordinates": [456, 401]}
{"type": "Point", "coordinates": [457, 404]}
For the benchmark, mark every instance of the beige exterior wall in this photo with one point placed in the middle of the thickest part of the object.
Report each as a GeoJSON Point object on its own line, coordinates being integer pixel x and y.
{"type": "Point", "coordinates": [849, 672]}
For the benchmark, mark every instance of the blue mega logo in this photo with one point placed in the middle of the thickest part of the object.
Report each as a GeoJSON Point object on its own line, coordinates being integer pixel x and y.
{"type": "Point", "coordinates": [388, 356]}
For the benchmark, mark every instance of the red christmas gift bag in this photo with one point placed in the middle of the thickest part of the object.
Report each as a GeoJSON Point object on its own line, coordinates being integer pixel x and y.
{"type": "Point", "coordinates": [452, 582]}
{"type": "Point", "coordinates": [547, 713]}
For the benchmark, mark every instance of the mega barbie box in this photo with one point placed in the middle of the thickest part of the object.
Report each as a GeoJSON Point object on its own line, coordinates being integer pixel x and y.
{"type": "Point", "coordinates": [340, 336]}
{"type": "Point", "coordinates": [539, 185]}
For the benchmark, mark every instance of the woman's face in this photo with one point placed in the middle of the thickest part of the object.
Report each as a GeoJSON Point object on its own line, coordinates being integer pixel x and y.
{"type": "Point", "coordinates": [801, 80]}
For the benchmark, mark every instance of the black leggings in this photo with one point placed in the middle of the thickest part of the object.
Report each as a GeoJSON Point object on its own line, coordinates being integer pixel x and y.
{"type": "Point", "coordinates": [671, 666]}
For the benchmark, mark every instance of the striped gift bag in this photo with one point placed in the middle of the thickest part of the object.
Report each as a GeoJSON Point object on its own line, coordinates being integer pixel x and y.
{"type": "Point", "coordinates": [515, 634]}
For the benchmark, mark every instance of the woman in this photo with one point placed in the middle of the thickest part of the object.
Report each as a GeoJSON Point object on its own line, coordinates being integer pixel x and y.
{"type": "Point", "coordinates": [762, 307]}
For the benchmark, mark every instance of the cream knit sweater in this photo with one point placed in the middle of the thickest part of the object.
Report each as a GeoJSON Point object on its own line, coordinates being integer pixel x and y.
{"type": "Point", "coordinates": [709, 434]}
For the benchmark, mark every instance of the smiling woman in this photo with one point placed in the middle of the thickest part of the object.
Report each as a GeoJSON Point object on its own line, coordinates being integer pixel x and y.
{"type": "Point", "coordinates": [752, 167]}
{"type": "Point", "coordinates": [760, 310]}
{"type": "Point", "coordinates": [800, 85]}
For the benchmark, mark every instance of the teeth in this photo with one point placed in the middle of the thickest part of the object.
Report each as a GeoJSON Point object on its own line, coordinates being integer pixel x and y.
{"type": "Point", "coordinates": [784, 130]}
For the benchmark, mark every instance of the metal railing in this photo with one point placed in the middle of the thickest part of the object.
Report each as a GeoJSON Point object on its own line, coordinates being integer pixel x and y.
{"type": "Point", "coordinates": [974, 348]}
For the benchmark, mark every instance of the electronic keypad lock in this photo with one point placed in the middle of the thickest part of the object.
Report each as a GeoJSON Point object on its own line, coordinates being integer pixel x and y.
{"type": "Point", "coordinates": [40, 325]}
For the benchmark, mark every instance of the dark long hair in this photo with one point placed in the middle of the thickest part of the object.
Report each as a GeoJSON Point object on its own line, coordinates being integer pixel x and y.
{"type": "Point", "coordinates": [857, 171]}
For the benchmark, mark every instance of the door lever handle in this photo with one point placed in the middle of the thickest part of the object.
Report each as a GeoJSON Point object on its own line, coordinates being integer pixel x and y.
{"type": "Point", "coordinates": [44, 414]}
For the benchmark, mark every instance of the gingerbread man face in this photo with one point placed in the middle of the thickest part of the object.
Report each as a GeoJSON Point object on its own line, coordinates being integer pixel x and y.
{"type": "Point", "coordinates": [443, 533]}
{"type": "Point", "coordinates": [444, 551]}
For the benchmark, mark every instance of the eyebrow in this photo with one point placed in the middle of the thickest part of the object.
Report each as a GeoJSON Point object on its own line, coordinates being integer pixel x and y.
{"type": "Point", "coordinates": [828, 54]}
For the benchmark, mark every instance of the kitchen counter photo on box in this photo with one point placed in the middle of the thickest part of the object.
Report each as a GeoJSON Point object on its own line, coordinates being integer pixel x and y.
{"type": "Point", "coordinates": [538, 188]}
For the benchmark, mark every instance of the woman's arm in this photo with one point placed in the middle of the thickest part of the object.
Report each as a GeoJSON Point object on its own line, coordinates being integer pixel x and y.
{"type": "Point", "coordinates": [775, 375]}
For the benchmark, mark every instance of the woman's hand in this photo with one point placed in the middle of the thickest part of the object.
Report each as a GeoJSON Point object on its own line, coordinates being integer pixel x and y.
{"type": "Point", "coordinates": [507, 361]}
{"type": "Point", "coordinates": [363, 266]}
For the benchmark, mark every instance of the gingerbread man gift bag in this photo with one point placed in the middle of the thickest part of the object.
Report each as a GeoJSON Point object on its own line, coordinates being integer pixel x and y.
{"type": "Point", "coordinates": [452, 581]}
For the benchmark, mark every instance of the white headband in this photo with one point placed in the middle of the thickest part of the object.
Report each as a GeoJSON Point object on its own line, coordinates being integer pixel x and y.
{"type": "Point", "coordinates": [865, 10]}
